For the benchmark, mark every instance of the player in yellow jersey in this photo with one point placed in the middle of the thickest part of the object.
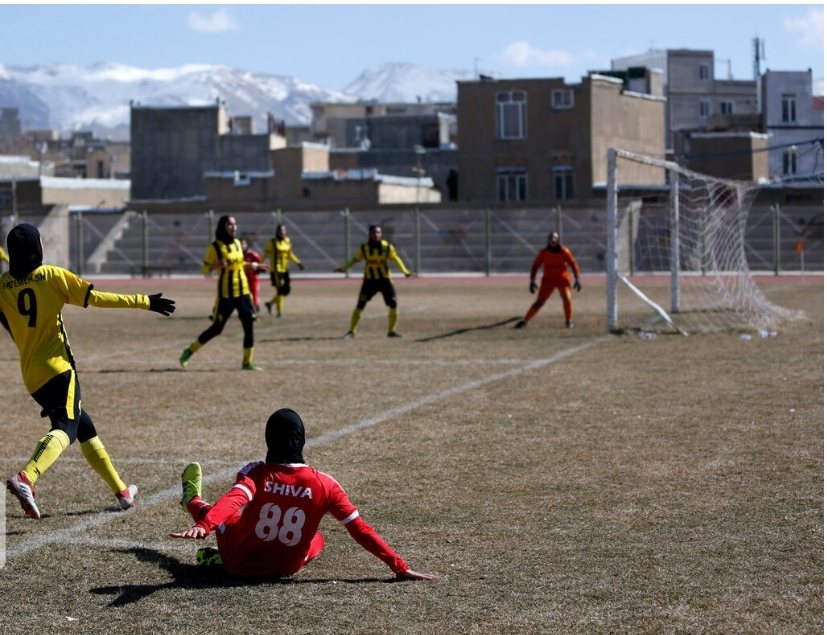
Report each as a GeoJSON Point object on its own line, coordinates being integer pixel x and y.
{"type": "Point", "coordinates": [3, 321]}
{"type": "Point", "coordinates": [376, 253]}
{"type": "Point", "coordinates": [226, 256]}
{"type": "Point", "coordinates": [32, 296]}
{"type": "Point", "coordinates": [280, 252]}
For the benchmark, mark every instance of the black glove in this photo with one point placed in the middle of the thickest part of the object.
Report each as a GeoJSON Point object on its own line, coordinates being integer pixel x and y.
{"type": "Point", "coordinates": [301, 266]}
{"type": "Point", "coordinates": [161, 305]}
{"type": "Point", "coordinates": [577, 285]}
{"type": "Point", "coordinates": [532, 288]}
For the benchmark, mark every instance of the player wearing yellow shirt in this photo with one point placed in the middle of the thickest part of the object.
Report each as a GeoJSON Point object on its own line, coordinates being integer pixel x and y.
{"type": "Point", "coordinates": [3, 255]}
{"type": "Point", "coordinates": [32, 297]}
{"type": "Point", "coordinates": [280, 252]}
{"type": "Point", "coordinates": [376, 253]}
{"type": "Point", "coordinates": [226, 256]}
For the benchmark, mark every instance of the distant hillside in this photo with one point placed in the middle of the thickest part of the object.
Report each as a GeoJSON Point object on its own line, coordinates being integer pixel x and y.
{"type": "Point", "coordinates": [68, 97]}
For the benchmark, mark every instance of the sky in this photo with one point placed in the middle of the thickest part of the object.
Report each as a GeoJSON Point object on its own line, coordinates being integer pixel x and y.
{"type": "Point", "coordinates": [331, 44]}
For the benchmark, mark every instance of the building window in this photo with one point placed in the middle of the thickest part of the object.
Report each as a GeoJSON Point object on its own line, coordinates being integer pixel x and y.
{"type": "Point", "coordinates": [562, 99]}
{"type": "Point", "coordinates": [563, 182]}
{"type": "Point", "coordinates": [704, 109]}
{"type": "Point", "coordinates": [790, 166]}
{"type": "Point", "coordinates": [511, 115]}
{"type": "Point", "coordinates": [703, 72]}
{"type": "Point", "coordinates": [788, 108]}
{"type": "Point", "coordinates": [100, 169]}
{"type": "Point", "coordinates": [512, 184]}
{"type": "Point", "coordinates": [727, 107]}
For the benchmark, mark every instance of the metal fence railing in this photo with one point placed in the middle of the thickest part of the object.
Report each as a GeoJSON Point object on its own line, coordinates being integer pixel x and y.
{"type": "Point", "coordinates": [430, 241]}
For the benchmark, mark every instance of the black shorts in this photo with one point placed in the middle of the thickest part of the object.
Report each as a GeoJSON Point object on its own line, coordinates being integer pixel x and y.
{"type": "Point", "coordinates": [281, 281]}
{"type": "Point", "coordinates": [371, 287]}
{"type": "Point", "coordinates": [224, 308]}
{"type": "Point", "coordinates": [60, 399]}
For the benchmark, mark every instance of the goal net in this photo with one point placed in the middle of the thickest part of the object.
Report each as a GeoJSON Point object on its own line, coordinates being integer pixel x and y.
{"type": "Point", "coordinates": [675, 252]}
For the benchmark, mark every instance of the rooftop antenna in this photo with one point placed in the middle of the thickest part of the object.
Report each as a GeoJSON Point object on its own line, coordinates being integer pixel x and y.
{"type": "Point", "coordinates": [758, 54]}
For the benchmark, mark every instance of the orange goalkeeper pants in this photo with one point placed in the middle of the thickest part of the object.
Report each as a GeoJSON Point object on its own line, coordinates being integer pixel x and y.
{"type": "Point", "coordinates": [546, 289]}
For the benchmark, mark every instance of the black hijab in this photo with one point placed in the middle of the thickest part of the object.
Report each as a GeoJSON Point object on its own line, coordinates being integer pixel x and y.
{"type": "Point", "coordinates": [284, 435]}
{"type": "Point", "coordinates": [221, 234]}
{"type": "Point", "coordinates": [25, 250]}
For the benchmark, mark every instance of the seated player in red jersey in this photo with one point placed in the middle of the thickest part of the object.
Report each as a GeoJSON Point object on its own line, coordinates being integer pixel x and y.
{"type": "Point", "coordinates": [267, 524]}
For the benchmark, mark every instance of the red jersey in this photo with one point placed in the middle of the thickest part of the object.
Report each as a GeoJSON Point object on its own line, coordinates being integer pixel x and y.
{"type": "Point", "coordinates": [554, 264]}
{"type": "Point", "coordinates": [268, 519]}
{"type": "Point", "coordinates": [253, 258]}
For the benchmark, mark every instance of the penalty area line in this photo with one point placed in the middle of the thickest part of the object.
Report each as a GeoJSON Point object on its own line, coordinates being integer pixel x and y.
{"type": "Point", "coordinates": [70, 535]}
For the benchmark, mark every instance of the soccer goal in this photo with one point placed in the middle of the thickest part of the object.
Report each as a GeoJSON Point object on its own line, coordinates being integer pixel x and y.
{"type": "Point", "coordinates": [675, 250]}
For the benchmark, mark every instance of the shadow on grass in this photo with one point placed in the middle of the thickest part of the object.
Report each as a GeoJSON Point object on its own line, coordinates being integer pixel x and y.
{"type": "Point", "coordinates": [195, 577]}
{"type": "Point", "coordinates": [469, 329]}
{"type": "Point", "coordinates": [298, 339]}
{"type": "Point", "coordinates": [107, 371]}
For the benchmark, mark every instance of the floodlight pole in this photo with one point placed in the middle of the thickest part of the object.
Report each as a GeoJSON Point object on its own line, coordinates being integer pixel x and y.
{"type": "Point", "coordinates": [611, 242]}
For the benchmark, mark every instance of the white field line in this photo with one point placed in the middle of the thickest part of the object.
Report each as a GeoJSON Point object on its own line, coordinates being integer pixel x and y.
{"type": "Point", "coordinates": [257, 329]}
{"type": "Point", "coordinates": [75, 533]}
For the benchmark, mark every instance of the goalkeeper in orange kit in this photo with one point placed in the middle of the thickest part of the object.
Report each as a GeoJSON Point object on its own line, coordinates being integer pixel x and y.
{"type": "Point", "coordinates": [555, 260]}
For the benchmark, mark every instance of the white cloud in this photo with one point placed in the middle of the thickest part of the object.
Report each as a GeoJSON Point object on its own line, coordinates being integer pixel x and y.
{"type": "Point", "coordinates": [808, 28]}
{"type": "Point", "coordinates": [522, 54]}
{"type": "Point", "coordinates": [216, 23]}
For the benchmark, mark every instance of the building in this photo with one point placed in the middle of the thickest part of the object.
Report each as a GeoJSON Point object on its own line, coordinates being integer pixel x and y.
{"type": "Point", "coordinates": [794, 120]}
{"type": "Point", "coordinates": [543, 140]}
{"type": "Point", "coordinates": [346, 125]}
{"type": "Point", "coordinates": [172, 148]}
{"type": "Point", "coordinates": [9, 123]}
{"type": "Point", "coordinates": [301, 178]}
{"type": "Point", "coordinates": [691, 90]}
{"type": "Point", "coordinates": [741, 156]}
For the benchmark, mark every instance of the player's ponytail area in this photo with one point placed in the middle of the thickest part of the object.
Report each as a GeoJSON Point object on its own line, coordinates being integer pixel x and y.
{"type": "Point", "coordinates": [557, 480]}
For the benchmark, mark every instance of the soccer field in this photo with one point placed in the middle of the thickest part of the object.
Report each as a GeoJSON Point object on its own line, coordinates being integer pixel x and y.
{"type": "Point", "coordinates": [558, 481]}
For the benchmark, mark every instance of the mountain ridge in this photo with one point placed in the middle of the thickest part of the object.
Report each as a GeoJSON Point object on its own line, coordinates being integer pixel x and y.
{"type": "Point", "coordinates": [68, 97]}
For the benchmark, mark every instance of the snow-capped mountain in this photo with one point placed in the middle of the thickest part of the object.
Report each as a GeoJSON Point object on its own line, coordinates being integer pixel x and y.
{"type": "Point", "coordinates": [69, 97]}
{"type": "Point", "coordinates": [407, 83]}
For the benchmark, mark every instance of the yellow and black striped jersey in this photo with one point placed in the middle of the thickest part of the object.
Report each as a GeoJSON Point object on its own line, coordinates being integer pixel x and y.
{"type": "Point", "coordinates": [232, 282]}
{"type": "Point", "coordinates": [280, 252]}
{"type": "Point", "coordinates": [33, 308]}
{"type": "Point", "coordinates": [376, 256]}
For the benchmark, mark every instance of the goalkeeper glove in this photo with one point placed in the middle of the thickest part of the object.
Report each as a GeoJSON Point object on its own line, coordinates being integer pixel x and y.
{"type": "Point", "coordinates": [532, 287]}
{"type": "Point", "coordinates": [301, 266]}
{"type": "Point", "coordinates": [161, 305]}
{"type": "Point", "coordinates": [577, 285]}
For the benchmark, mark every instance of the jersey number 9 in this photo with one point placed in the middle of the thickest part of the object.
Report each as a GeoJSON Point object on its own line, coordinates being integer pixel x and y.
{"type": "Point", "coordinates": [27, 306]}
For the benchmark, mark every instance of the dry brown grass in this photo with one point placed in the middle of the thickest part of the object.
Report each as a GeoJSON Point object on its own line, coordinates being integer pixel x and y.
{"type": "Point", "coordinates": [663, 486]}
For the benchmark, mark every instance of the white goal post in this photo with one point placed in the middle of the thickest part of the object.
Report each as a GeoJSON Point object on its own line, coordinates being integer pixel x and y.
{"type": "Point", "coordinates": [675, 239]}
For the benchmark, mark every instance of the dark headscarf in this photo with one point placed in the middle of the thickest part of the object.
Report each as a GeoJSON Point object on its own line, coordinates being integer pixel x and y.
{"type": "Point", "coordinates": [285, 437]}
{"type": "Point", "coordinates": [370, 234]}
{"type": "Point", "coordinates": [25, 250]}
{"type": "Point", "coordinates": [221, 234]}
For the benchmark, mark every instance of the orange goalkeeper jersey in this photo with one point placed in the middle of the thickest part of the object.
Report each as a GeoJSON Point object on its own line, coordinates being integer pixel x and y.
{"type": "Point", "coordinates": [555, 264]}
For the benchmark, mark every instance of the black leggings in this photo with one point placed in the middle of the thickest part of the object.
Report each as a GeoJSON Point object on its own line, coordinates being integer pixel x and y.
{"type": "Point", "coordinates": [222, 311]}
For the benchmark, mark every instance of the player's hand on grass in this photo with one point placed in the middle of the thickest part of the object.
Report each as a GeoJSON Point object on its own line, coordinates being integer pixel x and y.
{"type": "Point", "coordinates": [164, 306]}
{"type": "Point", "coordinates": [532, 288]}
{"type": "Point", "coordinates": [194, 533]}
{"type": "Point", "coordinates": [577, 285]}
{"type": "Point", "coordinates": [413, 575]}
